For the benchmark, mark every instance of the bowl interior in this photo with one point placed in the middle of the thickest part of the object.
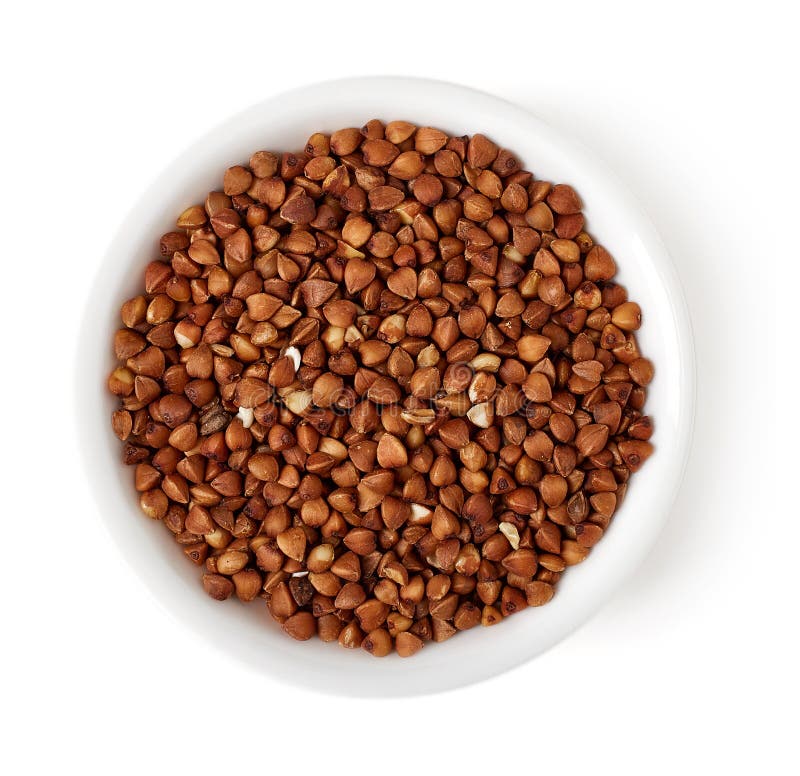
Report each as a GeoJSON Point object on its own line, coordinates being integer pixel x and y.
{"type": "Point", "coordinates": [613, 219]}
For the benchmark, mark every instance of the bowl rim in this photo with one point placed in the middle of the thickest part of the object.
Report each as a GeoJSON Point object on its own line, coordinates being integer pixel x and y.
{"type": "Point", "coordinates": [362, 681]}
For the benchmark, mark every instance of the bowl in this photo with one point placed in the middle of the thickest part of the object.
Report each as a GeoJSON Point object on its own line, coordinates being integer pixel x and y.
{"type": "Point", "coordinates": [613, 218]}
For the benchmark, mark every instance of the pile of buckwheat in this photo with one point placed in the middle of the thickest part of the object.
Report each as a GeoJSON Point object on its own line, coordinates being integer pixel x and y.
{"type": "Point", "coordinates": [387, 385]}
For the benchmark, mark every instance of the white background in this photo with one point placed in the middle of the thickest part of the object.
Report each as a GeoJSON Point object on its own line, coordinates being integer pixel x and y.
{"type": "Point", "coordinates": [693, 666]}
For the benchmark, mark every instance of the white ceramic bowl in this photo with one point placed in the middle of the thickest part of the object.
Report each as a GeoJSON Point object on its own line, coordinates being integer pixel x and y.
{"type": "Point", "coordinates": [614, 219]}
